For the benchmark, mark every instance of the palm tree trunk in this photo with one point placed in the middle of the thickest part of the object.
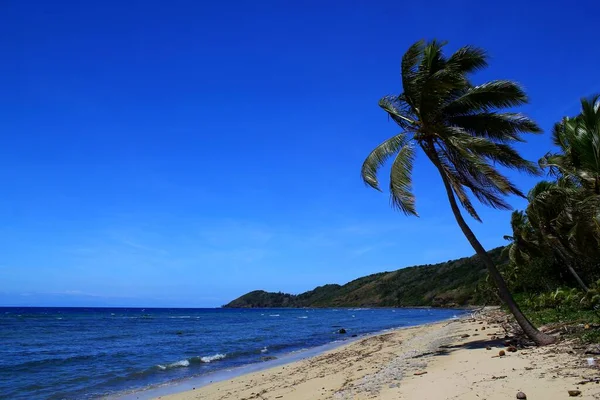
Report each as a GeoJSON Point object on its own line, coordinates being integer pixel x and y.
{"type": "Point", "coordinates": [577, 278]}
{"type": "Point", "coordinates": [564, 255]}
{"type": "Point", "coordinates": [568, 258]}
{"type": "Point", "coordinates": [568, 262]}
{"type": "Point", "coordinates": [535, 335]}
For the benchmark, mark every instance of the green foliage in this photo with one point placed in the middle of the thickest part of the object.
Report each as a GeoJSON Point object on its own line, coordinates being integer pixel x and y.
{"type": "Point", "coordinates": [560, 228]}
{"type": "Point", "coordinates": [573, 309]}
{"type": "Point", "coordinates": [590, 336]}
{"type": "Point", "coordinates": [569, 299]}
{"type": "Point", "coordinates": [452, 283]}
{"type": "Point", "coordinates": [572, 316]}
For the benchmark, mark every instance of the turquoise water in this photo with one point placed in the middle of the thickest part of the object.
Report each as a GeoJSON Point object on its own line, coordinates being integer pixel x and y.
{"type": "Point", "coordinates": [82, 353]}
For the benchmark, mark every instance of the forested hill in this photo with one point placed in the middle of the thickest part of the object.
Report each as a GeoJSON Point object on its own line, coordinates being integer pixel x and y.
{"type": "Point", "coordinates": [451, 283]}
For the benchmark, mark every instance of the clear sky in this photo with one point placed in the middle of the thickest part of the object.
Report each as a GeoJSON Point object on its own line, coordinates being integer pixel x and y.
{"type": "Point", "coordinates": [182, 153]}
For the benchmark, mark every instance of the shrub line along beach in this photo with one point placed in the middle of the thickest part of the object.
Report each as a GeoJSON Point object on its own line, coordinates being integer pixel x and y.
{"type": "Point", "coordinates": [475, 357]}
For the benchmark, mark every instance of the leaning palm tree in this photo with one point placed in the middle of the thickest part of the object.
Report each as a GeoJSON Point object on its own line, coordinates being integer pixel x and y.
{"type": "Point", "coordinates": [457, 127]}
{"type": "Point", "coordinates": [553, 212]}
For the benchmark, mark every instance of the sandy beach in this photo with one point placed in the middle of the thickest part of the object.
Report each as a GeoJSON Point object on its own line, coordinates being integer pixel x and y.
{"type": "Point", "coordinates": [456, 359]}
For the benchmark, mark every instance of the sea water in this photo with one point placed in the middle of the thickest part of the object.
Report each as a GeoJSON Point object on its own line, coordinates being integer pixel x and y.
{"type": "Point", "coordinates": [83, 353]}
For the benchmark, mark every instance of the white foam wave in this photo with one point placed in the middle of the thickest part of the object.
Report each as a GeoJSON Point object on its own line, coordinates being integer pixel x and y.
{"type": "Point", "coordinates": [182, 363]}
{"type": "Point", "coordinates": [181, 316]}
{"type": "Point", "coordinates": [212, 358]}
{"type": "Point", "coordinates": [303, 317]}
{"type": "Point", "coordinates": [274, 315]}
{"type": "Point", "coordinates": [178, 364]}
{"type": "Point", "coordinates": [264, 349]}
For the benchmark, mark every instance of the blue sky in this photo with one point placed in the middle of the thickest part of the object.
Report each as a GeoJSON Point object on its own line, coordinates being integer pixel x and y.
{"type": "Point", "coordinates": [183, 153]}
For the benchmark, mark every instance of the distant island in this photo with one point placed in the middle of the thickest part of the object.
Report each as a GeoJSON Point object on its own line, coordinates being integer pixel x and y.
{"type": "Point", "coordinates": [448, 284]}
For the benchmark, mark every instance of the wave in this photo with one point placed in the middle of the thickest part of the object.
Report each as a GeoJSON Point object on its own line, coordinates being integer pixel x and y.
{"type": "Point", "coordinates": [303, 317]}
{"type": "Point", "coordinates": [212, 358]}
{"type": "Point", "coordinates": [274, 315]}
{"type": "Point", "coordinates": [193, 360]}
{"type": "Point", "coordinates": [181, 316]}
{"type": "Point", "coordinates": [182, 363]}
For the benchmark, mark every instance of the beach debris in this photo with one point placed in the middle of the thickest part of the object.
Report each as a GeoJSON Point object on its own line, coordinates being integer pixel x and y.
{"type": "Point", "coordinates": [521, 395]}
{"type": "Point", "coordinates": [499, 377]}
{"type": "Point", "coordinates": [420, 373]}
{"type": "Point", "coordinates": [501, 353]}
{"type": "Point", "coordinates": [591, 361]}
{"type": "Point", "coordinates": [342, 331]}
{"type": "Point", "coordinates": [488, 348]}
{"type": "Point", "coordinates": [483, 328]}
{"type": "Point", "coordinates": [593, 349]}
{"type": "Point", "coordinates": [589, 380]}
{"type": "Point", "coordinates": [586, 327]}
{"type": "Point", "coordinates": [574, 393]}
{"type": "Point", "coordinates": [268, 358]}
{"type": "Point", "coordinates": [465, 336]}
{"type": "Point", "coordinates": [512, 349]}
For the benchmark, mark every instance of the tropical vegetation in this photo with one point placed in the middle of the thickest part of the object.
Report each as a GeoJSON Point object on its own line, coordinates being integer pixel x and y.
{"type": "Point", "coordinates": [554, 254]}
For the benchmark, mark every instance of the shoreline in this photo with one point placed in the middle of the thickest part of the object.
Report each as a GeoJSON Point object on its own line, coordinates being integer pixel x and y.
{"type": "Point", "coordinates": [194, 383]}
{"type": "Point", "coordinates": [451, 359]}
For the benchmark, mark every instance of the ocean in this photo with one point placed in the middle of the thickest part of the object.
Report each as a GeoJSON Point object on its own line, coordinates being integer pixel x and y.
{"type": "Point", "coordinates": [86, 353]}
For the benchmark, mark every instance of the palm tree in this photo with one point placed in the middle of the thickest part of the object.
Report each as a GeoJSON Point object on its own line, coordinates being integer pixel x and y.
{"type": "Point", "coordinates": [579, 141]}
{"type": "Point", "coordinates": [551, 211]}
{"type": "Point", "coordinates": [457, 127]}
{"type": "Point", "coordinates": [578, 161]}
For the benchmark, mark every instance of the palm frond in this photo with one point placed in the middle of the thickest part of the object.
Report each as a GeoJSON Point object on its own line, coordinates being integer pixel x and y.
{"type": "Point", "coordinates": [502, 127]}
{"type": "Point", "coordinates": [402, 197]}
{"type": "Point", "coordinates": [433, 59]}
{"type": "Point", "coordinates": [397, 109]}
{"type": "Point", "coordinates": [408, 71]}
{"type": "Point", "coordinates": [479, 176]}
{"type": "Point", "coordinates": [468, 59]}
{"type": "Point", "coordinates": [379, 156]}
{"type": "Point", "coordinates": [487, 97]}
{"type": "Point", "coordinates": [456, 182]}
{"type": "Point", "coordinates": [500, 153]}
